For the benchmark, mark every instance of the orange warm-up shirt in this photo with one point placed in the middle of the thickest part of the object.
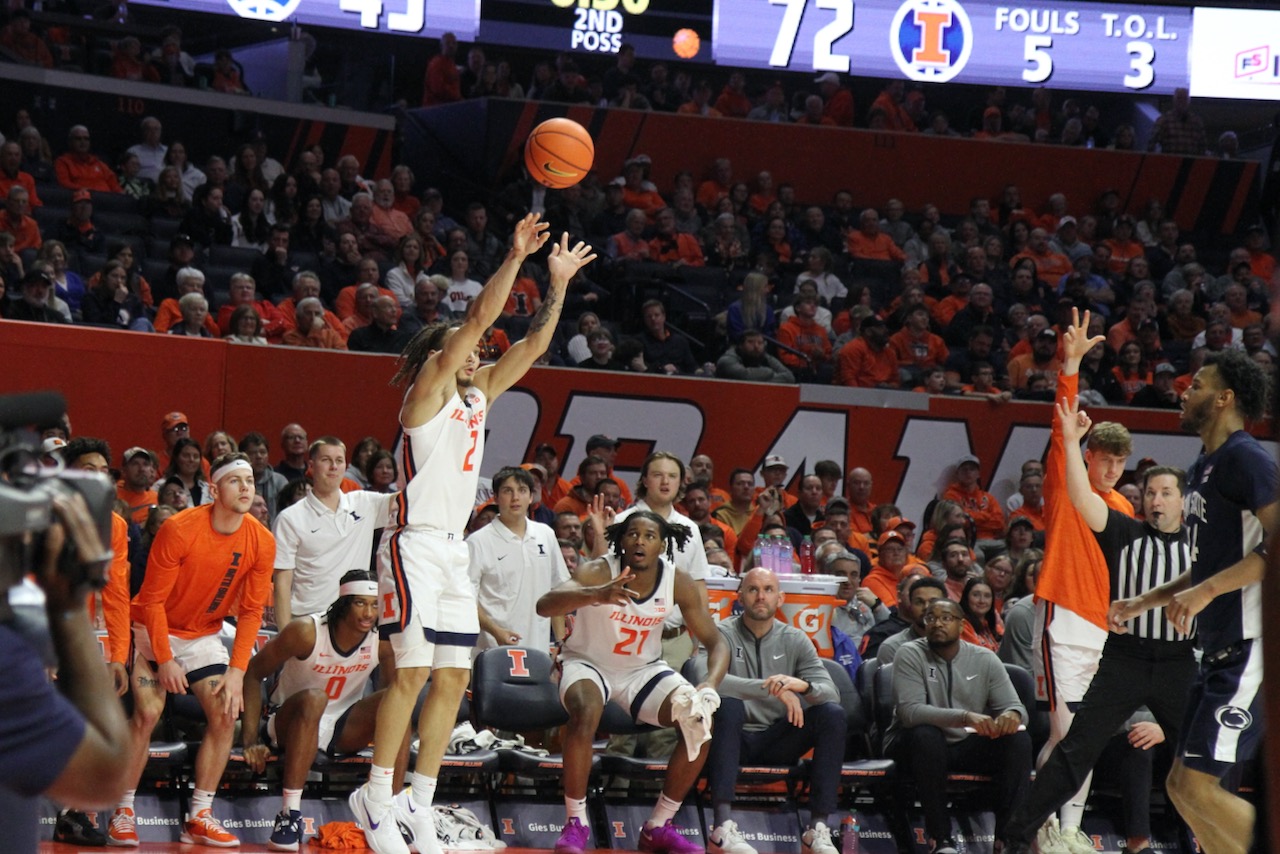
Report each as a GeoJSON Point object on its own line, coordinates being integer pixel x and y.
{"type": "Point", "coordinates": [194, 577]}
{"type": "Point", "coordinates": [115, 595]}
{"type": "Point", "coordinates": [1074, 573]}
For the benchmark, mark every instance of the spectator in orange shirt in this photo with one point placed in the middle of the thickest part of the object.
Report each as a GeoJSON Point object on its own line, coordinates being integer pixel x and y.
{"type": "Point", "coordinates": [838, 101]}
{"type": "Point", "coordinates": [983, 507]}
{"type": "Point", "coordinates": [639, 192]}
{"type": "Point", "coordinates": [137, 472]}
{"type": "Point", "coordinates": [702, 468]}
{"type": "Point", "coordinates": [891, 560]}
{"type": "Point", "coordinates": [21, 44]}
{"type": "Point", "coordinates": [1127, 329]}
{"type": "Point", "coordinates": [11, 173]}
{"type": "Point", "coordinates": [1262, 262]}
{"type": "Point", "coordinates": [307, 284]}
{"type": "Point", "coordinates": [206, 563]}
{"type": "Point", "coordinates": [916, 348]}
{"type": "Point", "coordinates": [443, 81]}
{"type": "Point", "coordinates": [16, 220]}
{"type": "Point", "coordinates": [1042, 361]}
{"type": "Point", "coordinates": [78, 169]}
{"type": "Point", "coordinates": [716, 187]}
{"type": "Point", "coordinates": [1236, 297]}
{"type": "Point", "coordinates": [1122, 245]}
{"type": "Point", "coordinates": [1031, 488]}
{"type": "Point", "coordinates": [733, 100]}
{"type": "Point", "coordinates": [867, 361]}
{"type": "Point", "coordinates": [310, 329]}
{"type": "Point", "coordinates": [802, 332]}
{"type": "Point", "coordinates": [889, 101]}
{"type": "Point", "coordinates": [169, 314]}
{"type": "Point", "coordinates": [857, 487]}
{"type": "Point", "coordinates": [243, 292]}
{"type": "Point", "coordinates": [813, 113]}
{"type": "Point", "coordinates": [1051, 266]}
{"type": "Point", "coordinates": [868, 242]}
{"type": "Point", "coordinates": [699, 103]}
{"type": "Point", "coordinates": [630, 244]}
{"type": "Point", "coordinates": [591, 471]}
{"type": "Point", "coordinates": [670, 246]}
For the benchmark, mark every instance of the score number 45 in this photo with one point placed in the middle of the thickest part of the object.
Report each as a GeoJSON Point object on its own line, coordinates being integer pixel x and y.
{"type": "Point", "coordinates": [823, 58]}
{"type": "Point", "coordinates": [1036, 52]}
{"type": "Point", "coordinates": [408, 21]}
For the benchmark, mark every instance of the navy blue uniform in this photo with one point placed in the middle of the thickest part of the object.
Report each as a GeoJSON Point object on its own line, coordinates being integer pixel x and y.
{"type": "Point", "coordinates": [1225, 489]}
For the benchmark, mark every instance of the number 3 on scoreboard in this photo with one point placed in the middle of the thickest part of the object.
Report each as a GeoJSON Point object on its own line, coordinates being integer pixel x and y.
{"type": "Point", "coordinates": [823, 58]}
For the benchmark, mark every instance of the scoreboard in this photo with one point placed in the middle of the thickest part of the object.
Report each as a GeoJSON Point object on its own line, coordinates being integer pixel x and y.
{"type": "Point", "coordinates": [1091, 46]}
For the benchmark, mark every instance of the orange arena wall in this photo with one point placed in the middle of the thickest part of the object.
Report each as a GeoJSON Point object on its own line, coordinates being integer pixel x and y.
{"type": "Point", "coordinates": [120, 384]}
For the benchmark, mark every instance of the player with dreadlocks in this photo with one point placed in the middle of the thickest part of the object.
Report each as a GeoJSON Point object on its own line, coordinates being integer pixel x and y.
{"type": "Point", "coordinates": [323, 665]}
{"type": "Point", "coordinates": [429, 603]}
{"type": "Point", "coordinates": [614, 653]}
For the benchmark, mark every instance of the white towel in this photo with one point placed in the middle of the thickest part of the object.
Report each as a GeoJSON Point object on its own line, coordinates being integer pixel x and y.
{"type": "Point", "coordinates": [693, 711]}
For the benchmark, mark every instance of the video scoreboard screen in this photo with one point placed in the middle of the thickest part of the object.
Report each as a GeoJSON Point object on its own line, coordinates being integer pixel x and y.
{"type": "Point", "coordinates": [1101, 47]}
{"type": "Point", "coordinates": [1091, 46]}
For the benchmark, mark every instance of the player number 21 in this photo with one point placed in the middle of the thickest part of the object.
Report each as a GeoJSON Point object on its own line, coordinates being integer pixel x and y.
{"type": "Point", "coordinates": [823, 58]}
{"type": "Point", "coordinates": [632, 642]}
{"type": "Point", "coordinates": [408, 21]}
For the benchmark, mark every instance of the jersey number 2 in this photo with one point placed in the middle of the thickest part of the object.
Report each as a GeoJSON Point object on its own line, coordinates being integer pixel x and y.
{"type": "Point", "coordinates": [632, 642]}
{"type": "Point", "coordinates": [467, 465]}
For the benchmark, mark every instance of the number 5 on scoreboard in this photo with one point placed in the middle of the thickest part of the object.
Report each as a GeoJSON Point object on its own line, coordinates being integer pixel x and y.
{"type": "Point", "coordinates": [823, 58]}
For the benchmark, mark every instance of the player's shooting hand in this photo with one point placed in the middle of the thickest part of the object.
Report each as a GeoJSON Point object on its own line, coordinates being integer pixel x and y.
{"type": "Point", "coordinates": [795, 710]}
{"type": "Point", "coordinates": [563, 263]}
{"type": "Point", "coordinates": [1185, 605]}
{"type": "Point", "coordinates": [1121, 612]}
{"type": "Point", "coordinates": [529, 235]}
{"type": "Point", "coordinates": [119, 677]}
{"type": "Point", "coordinates": [1075, 424]}
{"type": "Point", "coordinates": [1145, 735]}
{"type": "Point", "coordinates": [616, 592]}
{"type": "Point", "coordinates": [1075, 340]}
{"type": "Point", "coordinates": [172, 678]}
{"type": "Point", "coordinates": [229, 692]}
{"type": "Point", "coordinates": [256, 756]}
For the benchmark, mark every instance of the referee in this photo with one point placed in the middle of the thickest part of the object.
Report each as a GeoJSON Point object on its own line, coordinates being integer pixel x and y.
{"type": "Point", "coordinates": [1145, 662]}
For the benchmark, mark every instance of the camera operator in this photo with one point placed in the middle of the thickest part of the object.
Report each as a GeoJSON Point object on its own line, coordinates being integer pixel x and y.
{"type": "Point", "coordinates": [68, 744]}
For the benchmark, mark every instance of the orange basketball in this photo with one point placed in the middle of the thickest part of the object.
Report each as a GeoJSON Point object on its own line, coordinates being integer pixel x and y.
{"type": "Point", "coordinates": [559, 153]}
{"type": "Point", "coordinates": [686, 43]}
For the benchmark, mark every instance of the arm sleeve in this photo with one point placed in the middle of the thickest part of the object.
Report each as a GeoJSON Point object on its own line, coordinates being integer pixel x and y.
{"type": "Point", "coordinates": [911, 700]}
{"type": "Point", "coordinates": [256, 594]}
{"type": "Point", "coordinates": [115, 596]}
{"type": "Point", "coordinates": [162, 571]}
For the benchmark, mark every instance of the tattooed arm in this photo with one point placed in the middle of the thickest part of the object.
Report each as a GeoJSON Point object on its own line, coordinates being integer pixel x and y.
{"type": "Point", "coordinates": [563, 263]}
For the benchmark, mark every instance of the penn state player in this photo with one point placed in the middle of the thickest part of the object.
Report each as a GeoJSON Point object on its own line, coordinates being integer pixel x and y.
{"type": "Point", "coordinates": [1231, 512]}
{"type": "Point", "coordinates": [614, 654]}
{"type": "Point", "coordinates": [428, 604]}
{"type": "Point", "coordinates": [317, 701]}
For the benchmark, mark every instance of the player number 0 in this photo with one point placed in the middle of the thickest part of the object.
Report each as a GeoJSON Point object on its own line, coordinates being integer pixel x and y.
{"type": "Point", "coordinates": [823, 58]}
{"type": "Point", "coordinates": [333, 689]}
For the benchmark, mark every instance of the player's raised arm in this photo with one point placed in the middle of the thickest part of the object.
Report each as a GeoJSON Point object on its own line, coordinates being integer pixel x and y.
{"type": "Point", "coordinates": [563, 264]}
{"type": "Point", "coordinates": [1075, 426]}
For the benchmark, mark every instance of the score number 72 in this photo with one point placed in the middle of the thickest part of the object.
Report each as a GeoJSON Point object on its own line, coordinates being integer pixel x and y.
{"type": "Point", "coordinates": [823, 58]}
{"type": "Point", "coordinates": [408, 21]}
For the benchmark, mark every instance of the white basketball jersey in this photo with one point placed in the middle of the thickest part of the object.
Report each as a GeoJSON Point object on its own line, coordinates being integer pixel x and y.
{"type": "Point", "coordinates": [440, 466]}
{"type": "Point", "coordinates": [617, 638]}
{"type": "Point", "coordinates": [341, 677]}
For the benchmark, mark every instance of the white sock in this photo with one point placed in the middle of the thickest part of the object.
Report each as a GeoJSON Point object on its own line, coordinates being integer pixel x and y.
{"type": "Point", "coordinates": [293, 800]}
{"type": "Point", "coordinates": [201, 800]}
{"type": "Point", "coordinates": [126, 800]}
{"type": "Point", "coordinates": [664, 810]}
{"type": "Point", "coordinates": [575, 808]}
{"type": "Point", "coordinates": [380, 784]}
{"type": "Point", "coordinates": [424, 789]}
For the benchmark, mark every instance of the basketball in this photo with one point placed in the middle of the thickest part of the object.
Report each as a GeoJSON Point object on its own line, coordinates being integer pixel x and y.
{"type": "Point", "coordinates": [559, 153]}
{"type": "Point", "coordinates": [686, 43]}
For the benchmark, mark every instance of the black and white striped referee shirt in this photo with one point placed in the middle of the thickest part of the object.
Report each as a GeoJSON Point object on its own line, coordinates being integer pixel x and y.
{"type": "Point", "coordinates": [1141, 558]}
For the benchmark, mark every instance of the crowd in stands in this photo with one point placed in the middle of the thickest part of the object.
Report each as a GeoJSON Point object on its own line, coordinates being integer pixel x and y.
{"type": "Point", "coordinates": [318, 255]}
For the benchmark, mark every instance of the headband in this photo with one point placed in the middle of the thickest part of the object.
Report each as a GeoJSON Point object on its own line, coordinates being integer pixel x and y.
{"type": "Point", "coordinates": [359, 588]}
{"type": "Point", "coordinates": [227, 468]}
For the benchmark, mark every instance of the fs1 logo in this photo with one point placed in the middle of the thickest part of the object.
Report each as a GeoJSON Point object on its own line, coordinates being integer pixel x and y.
{"type": "Point", "coordinates": [1254, 62]}
{"type": "Point", "coordinates": [931, 39]}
